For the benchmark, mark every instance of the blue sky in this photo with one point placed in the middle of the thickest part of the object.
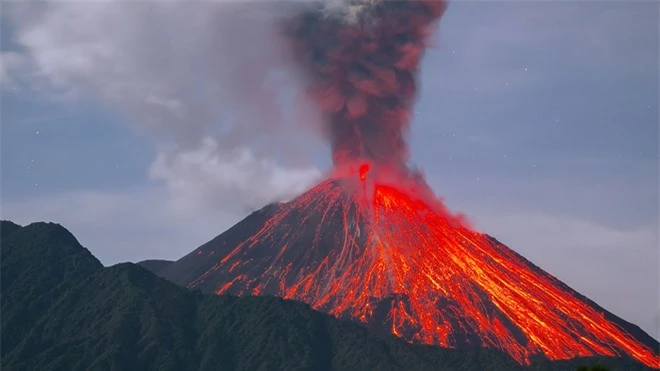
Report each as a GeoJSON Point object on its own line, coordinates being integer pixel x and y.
{"type": "Point", "coordinates": [539, 120]}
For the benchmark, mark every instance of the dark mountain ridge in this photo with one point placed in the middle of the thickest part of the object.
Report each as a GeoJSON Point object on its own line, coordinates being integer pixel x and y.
{"type": "Point", "coordinates": [40, 262]}
{"type": "Point", "coordinates": [80, 315]}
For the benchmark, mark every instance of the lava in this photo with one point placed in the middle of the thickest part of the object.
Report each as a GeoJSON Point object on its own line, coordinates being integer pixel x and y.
{"type": "Point", "coordinates": [364, 169]}
{"type": "Point", "coordinates": [390, 260]}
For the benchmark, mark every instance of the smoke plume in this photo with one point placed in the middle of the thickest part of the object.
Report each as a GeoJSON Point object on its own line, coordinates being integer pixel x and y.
{"type": "Point", "coordinates": [217, 87]}
{"type": "Point", "coordinates": [360, 64]}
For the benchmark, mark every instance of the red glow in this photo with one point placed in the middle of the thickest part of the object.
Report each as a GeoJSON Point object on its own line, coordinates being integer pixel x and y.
{"type": "Point", "coordinates": [398, 259]}
{"type": "Point", "coordinates": [364, 168]}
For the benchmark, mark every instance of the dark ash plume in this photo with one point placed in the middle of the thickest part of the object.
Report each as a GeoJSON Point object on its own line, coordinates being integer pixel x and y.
{"type": "Point", "coordinates": [360, 61]}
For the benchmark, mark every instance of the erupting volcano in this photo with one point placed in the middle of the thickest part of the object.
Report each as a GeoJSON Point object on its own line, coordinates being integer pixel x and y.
{"type": "Point", "coordinates": [388, 259]}
{"type": "Point", "coordinates": [371, 242]}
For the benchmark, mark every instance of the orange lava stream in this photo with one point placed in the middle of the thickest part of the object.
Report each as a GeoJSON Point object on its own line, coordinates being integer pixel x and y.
{"type": "Point", "coordinates": [439, 281]}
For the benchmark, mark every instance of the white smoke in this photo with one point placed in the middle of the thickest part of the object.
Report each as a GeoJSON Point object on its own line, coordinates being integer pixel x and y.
{"type": "Point", "coordinates": [199, 77]}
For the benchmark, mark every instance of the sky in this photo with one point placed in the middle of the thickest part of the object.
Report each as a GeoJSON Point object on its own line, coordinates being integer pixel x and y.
{"type": "Point", "coordinates": [149, 128]}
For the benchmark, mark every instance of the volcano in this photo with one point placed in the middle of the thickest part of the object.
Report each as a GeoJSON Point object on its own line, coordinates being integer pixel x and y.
{"type": "Point", "coordinates": [371, 243]}
{"type": "Point", "coordinates": [384, 256]}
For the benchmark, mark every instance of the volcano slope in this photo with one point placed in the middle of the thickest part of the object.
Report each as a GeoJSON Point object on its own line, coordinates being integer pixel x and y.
{"type": "Point", "coordinates": [385, 258]}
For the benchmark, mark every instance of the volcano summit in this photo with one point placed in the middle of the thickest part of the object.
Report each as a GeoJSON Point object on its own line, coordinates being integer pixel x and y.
{"type": "Point", "coordinates": [371, 242]}
{"type": "Point", "coordinates": [393, 263]}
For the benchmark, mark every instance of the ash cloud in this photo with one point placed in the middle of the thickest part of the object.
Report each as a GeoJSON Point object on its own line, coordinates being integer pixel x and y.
{"type": "Point", "coordinates": [360, 63]}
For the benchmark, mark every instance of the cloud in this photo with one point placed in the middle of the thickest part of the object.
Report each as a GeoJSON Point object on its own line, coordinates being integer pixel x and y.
{"type": "Point", "coordinates": [10, 62]}
{"type": "Point", "coordinates": [198, 77]}
{"type": "Point", "coordinates": [210, 176]}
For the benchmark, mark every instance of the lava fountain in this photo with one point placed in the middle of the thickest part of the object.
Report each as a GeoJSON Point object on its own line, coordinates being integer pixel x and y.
{"type": "Point", "coordinates": [371, 242]}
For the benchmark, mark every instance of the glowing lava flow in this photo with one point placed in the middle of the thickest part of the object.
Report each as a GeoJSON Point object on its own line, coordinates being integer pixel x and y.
{"type": "Point", "coordinates": [390, 256]}
{"type": "Point", "coordinates": [393, 262]}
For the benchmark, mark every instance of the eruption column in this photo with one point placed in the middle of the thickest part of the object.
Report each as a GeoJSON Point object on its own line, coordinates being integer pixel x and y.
{"type": "Point", "coordinates": [361, 62]}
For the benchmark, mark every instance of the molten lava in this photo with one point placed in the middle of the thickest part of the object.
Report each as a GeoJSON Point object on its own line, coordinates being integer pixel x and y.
{"type": "Point", "coordinates": [398, 263]}
{"type": "Point", "coordinates": [371, 243]}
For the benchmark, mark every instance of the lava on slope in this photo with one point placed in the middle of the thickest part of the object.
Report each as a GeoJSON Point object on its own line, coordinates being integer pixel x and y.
{"type": "Point", "coordinates": [372, 252]}
{"type": "Point", "coordinates": [371, 242]}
